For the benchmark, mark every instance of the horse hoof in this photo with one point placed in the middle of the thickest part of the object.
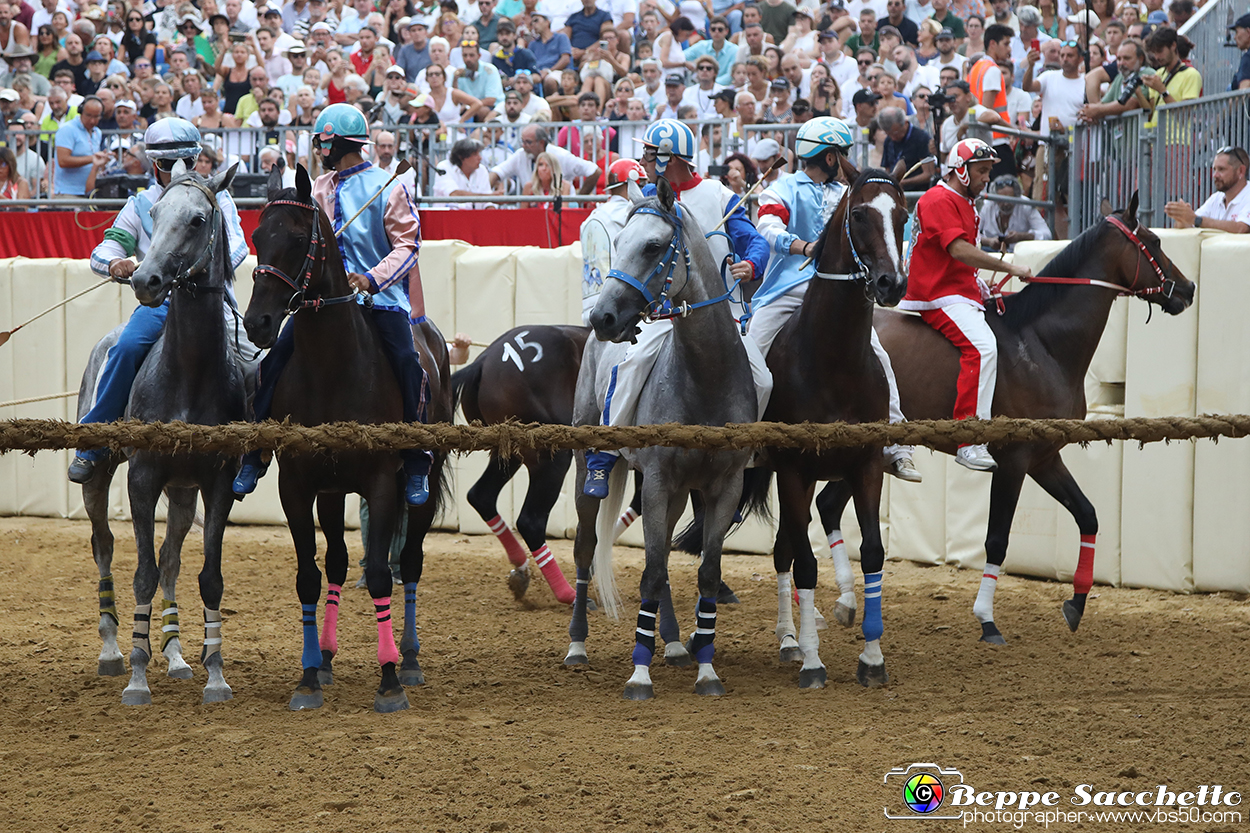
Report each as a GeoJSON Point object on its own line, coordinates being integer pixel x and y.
{"type": "Point", "coordinates": [871, 676]}
{"type": "Point", "coordinates": [217, 695]}
{"type": "Point", "coordinates": [639, 691]}
{"type": "Point", "coordinates": [991, 634]}
{"type": "Point", "coordinates": [181, 673]}
{"type": "Point", "coordinates": [711, 687]}
{"type": "Point", "coordinates": [844, 615]}
{"type": "Point", "coordinates": [410, 672]}
{"type": "Point", "coordinates": [518, 583]}
{"type": "Point", "coordinates": [727, 597]}
{"type": "Point", "coordinates": [791, 655]}
{"type": "Point", "coordinates": [390, 702]}
{"type": "Point", "coordinates": [590, 605]}
{"type": "Point", "coordinates": [1071, 615]}
{"type": "Point", "coordinates": [306, 698]}
{"type": "Point", "coordinates": [677, 656]}
{"type": "Point", "coordinates": [325, 674]}
{"type": "Point", "coordinates": [813, 677]}
{"type": "Point", "coordinates": [136, 697]}
{"type": "Point", "coordinates": [111, 667]}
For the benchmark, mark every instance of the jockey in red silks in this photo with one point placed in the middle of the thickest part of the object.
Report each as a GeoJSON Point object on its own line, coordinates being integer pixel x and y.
{"type": "Point", "coordinates": [943, 286]}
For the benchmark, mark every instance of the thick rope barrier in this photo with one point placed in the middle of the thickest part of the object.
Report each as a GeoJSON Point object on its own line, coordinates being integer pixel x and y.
{"type": "Point", "coordinates": [512, 438]}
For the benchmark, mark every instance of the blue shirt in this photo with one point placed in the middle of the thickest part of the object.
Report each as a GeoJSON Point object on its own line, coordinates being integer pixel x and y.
{"type": "Point", "coordinates": [72, 135]}
{"type": "Point", "coordinates": [483, 85]}
{"type": "Point", "coordinates": [521, 58]}
{"type": "Point", "coordinates": [1243, 71]}
{"type": "Point", "coordinates": [546, 54]}
{"type": "Point", "coordinates": [585, 28]}
{"type": "Point", "coordinates": [793, 208]}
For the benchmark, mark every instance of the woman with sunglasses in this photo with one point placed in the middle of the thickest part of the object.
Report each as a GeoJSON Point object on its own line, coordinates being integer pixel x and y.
{"type": "Point", "coordinates": [923, 117]}
{"type": "Point", "coordinates": [46, 47]}
{"type": "Point", "coordinates": [137, 41]}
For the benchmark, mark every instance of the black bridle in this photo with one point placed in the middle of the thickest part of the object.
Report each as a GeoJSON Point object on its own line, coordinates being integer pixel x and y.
{"type": "Point", "coordinates": [183, 280]}
{"type": "Point", "coordinates": [316, 253]}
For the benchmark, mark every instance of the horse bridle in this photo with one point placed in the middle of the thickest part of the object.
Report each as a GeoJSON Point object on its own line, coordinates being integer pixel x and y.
{"type": "Point", "coordinates": [861, 269]}
{"type": "Point", "coordinates": [183, 279]}
{"type": "Point", "coordinates": [316, 252]}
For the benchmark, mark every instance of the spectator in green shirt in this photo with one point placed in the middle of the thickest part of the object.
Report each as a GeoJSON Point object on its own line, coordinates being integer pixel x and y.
{"type": "Point", "coordinates": [867, 35]}
{"type": "Point", "coordinates": [775, 18]}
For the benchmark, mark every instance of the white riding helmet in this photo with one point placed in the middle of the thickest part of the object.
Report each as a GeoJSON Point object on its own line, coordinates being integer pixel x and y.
{"type": "Point", "coordinates": [172, 138]}
{"type": "Point", "coordinates": [965, 152]}
{"type": "Point", "coordinates": [670, 138]}
{"type": "Point", "coordinates": [822, 134]}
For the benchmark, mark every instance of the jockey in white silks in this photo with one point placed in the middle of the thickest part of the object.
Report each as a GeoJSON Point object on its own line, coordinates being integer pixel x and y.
{"type": "Point", "coordinates": [793, 212]}
{"type": "Point", "coordinates": [601, 228]}
{"type": "Point", "coordinates": [669, 152]}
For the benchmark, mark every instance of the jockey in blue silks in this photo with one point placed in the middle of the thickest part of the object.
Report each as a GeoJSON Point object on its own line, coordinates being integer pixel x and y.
{"type": "Point", "coordinates": [379, 251]}
{"type": "Point", "coordinates": [793, 213]}
{"type": "Point", "coordinates": [670, 150]}
{"type": "Point", "coordinates": [167, 141]}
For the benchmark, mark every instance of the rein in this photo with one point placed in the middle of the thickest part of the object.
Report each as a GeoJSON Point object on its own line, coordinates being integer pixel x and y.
{"type": "Point", "coordinates": [861, 270]}
{"type": "Point", "coordinates": [1165, 288]}
{"type": "Point", "coordinates": [316, 252]}
{"type": "Point", "coordinates": [183, 279]}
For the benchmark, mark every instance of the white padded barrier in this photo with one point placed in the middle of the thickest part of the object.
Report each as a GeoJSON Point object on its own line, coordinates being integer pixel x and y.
{"type": "Point", "coordinates": [9, 463]}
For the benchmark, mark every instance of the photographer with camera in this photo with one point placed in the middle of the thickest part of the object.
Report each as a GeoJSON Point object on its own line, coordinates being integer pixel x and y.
{"type": "Point", "coordinates": [1126, 92]}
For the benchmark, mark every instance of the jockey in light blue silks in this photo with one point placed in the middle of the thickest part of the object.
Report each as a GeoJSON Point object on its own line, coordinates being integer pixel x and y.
{"type": "Point", "coordinates": [793, 212]}
{"type": "Point", "coordinates": [167, 141]}
{"type": "Point", "coordinates": [669, 152]}
{"type": "Point", "coordinates": [379, 252]}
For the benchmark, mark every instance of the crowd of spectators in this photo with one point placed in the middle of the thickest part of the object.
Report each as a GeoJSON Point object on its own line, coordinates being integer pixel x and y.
{"type": "Point", "coordinates": [460, 88]}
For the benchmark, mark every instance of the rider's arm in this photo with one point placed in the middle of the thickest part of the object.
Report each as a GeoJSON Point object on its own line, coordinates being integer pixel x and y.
{"type": "Point", "coordinates": [121, 241]}
{"type": "Point", "coordinates": [774, 218]}
{"type": "Point", "coordinates": [403, 230]}
{"type": "Point", "coordinates": [970, 255]}
{"type": "Point", "coordinates": [748, 244]}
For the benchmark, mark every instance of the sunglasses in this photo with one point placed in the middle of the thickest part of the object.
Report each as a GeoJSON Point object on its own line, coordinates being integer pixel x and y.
{"type": "Point", "coordinates": [165, 165]}
{"type": "Point", "coordinates": [706, 68]}
{"type": "Point", "coordinates": [866, 62]}
{"type": "Point", "coordinates": [1237, 153]}
{"type": "Point", "coordinates": [142, 66]}
{"type": "Point", "coordinates": [466, 43]}
{"type": "Point", "coordinates": [919, 97]}
{"type": "Point", "coordinates": [133, 19]}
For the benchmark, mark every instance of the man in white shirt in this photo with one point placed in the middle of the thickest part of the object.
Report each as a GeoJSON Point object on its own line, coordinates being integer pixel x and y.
{"type": "Point", "coordinates": [650, 93]}
{"type": "Point", "coordinates": [911, 73]}
{"type": "Point", "coordinates": [384, 151]}
{"type": "Point", "coordinates": [1030, 30]}
{"type": "Point", "coordinates": [189, 106]}
{"type": "Point", "coordinates": [700, 95]}
{"type": "Point", "coordinates": [535, 140]}
{"type": "Point", "coordinates": [1062, 90]}
{"type": "Point", "coordinates": [1228, 209]}
{"type": "Point", "coordinates": [947, 56]}
{"type": "Point", "coordinates": [531, 105]}
{"type": "Point", "coordinates": [842, 67]}
{"type": "Point", "coordinates": [465, 176]}
{"type": "Point", "coordinates": [675, 96]}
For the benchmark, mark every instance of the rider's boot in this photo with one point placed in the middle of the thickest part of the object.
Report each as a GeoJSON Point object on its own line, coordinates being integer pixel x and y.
{"type": "Point", "coordinates": [252, 470]}
{"type": "Point", "coordinates": [903, 468]}
{"type": "Point", "coordinates": [82, 469]}
{"type": "Point", "coordinates": [976, 457]}
{"type": "Point", "coordinates": [598, 466]}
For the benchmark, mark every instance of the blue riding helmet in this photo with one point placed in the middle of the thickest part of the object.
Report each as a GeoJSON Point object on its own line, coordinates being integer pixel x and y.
{"type": "Point", "coordinates": [341, 121]}
{"type": "Point", "coordinates": [172, 139]}
{"type": "Point", "coordinates": [670, 138]}
{"type": "Point", "coordinates": [822, 134]}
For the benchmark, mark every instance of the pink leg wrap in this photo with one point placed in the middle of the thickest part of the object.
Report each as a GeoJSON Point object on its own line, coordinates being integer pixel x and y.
{"type": "Point", "coordinates": [330, 633]}
{"type": "Point", "coordinates": [551, 571]}
{"type": "Point", "coordinates": [627, 517]}
{"type": "Point", "coordinates": [386, 635]}
{"type": "Point", "coordinates": [516, 552]}
{"type": "Point", "coordinates": [1084, 578]}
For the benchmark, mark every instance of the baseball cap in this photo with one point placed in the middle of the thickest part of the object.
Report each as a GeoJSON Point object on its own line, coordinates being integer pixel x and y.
{"type": "Point", "coordinates": [420, 20]}
{"type": "Point", "coordinates": [272, 12]}
{"type": "Point", "coordinates": [889, 30]}
{"type": "Point", "coordinates": [946, 33]}
{"type": "Point", "coordinates": [320, 26]}
{"type": "Point", "coordinates": [395, 70]}
{"type": "Point", "coordinates": [674, 81]}
{"type": "Point", "coordinates": [1079, 17]}
{"type": "Point", "coordinates": [8, 95]}
{"type": "Point", "coordinates": [765, 149]}
{"type": "Point", "coordinates": [125, 102]}
{"type": "Point", "coordinates": [94, 56]}
{"type": "Point", "coordinates": [1242, 22]}
{"type": "Point", "coordinates": [422, 100]}
{"type": "Point", "coordinates": [542, 11]}
{"type": "Point", "coordinates": [727, 95]}
{"type": "Point", "coordinates": [779, 84]}
{"type": "Point", "coordinates": [1157, 16]}
{"type": "Point", "coordinates": [212, 20]}
{"type": "Point", "coordinates": [828, 33]}
{"type": "Point", "coordinates": [865, 97]}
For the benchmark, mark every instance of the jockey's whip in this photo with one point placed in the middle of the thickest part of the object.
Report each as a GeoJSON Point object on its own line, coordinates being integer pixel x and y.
{"type": "Point", "coordinates": [402, 168]}
{"type": "Point", "coordinates": [4, 337]}
{"type": "Point", "coordinates": [781, 160]}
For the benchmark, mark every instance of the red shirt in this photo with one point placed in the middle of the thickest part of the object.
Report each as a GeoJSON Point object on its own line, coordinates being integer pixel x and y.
{"type": "Point", "coordinates": [936, 279]}
{"type": "Point", "coordinates": [361, 62]}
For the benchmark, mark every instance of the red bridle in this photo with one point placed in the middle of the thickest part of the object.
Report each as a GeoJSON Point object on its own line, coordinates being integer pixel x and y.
{"type": "Point", "coordinates": [315, 253]}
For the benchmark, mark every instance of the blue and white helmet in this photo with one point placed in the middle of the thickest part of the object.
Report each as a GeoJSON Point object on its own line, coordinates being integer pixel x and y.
{"type": "Point", "coordinates": [822, 134]}
{"type": "Point", "coordinates": [341, 121]}
{"type": "Point", "coordinates": [670, 138]}
{"type": "Point", "coordinates": [172, 139]}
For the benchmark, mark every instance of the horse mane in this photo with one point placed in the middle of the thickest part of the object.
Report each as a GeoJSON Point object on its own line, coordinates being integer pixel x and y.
{"type": "Point", "coordinates": [1024, 307]}
{"type": "Point", "coordinates": [843, 205]}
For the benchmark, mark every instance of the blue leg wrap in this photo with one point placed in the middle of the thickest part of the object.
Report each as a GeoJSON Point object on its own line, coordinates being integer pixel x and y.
{"type": "Point", "coordinates": [410, 617]}
{"type": "Point", "coordinates": [312, 647]}
{"type": "Point", "coordinates": [644, 636]}
{"type": "Point", "coordinates": [873, 627]}
{"type": "Point", "coordinates": [704, 630]}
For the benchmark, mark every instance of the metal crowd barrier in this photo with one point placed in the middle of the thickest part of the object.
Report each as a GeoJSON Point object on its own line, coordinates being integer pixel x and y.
{"type": "Point", "coordinates": [1215, 54]}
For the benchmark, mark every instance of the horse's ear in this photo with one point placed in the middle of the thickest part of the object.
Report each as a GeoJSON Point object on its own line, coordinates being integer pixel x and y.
{"type": "Point", "coordinates": [635, 193]}
{"type": "Point", "coordinates": [222, 181]}
{"type": "Point", "coordinates": [665, 192]}
{"type": "Point", "coordinates": [179, 169]}
{"type": "Point", "coordinates": [849, 171]}
{"type": "Point", "coordinates": [1105, 208]}
{"type": "Point", "coordinates": [1130, 213]}
{"type": "Point", "coordinates": [303, 185]}
{"type": "Point", "coordinates": [274, 185]}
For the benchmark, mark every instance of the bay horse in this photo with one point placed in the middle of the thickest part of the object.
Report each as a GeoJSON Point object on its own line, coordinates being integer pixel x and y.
{"type": "Point", "coordinates": [191, 375]}
{"type": "Point", "coordinates": [1047, 335]}
{"type": "Point", "coordinates": [338, 372]}
{"type": "Point", "coordinates": [662, 265]}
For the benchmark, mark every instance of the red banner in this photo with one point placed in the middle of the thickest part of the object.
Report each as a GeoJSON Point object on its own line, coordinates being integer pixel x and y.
{"type": "Point", "coordinates": [73, 234]}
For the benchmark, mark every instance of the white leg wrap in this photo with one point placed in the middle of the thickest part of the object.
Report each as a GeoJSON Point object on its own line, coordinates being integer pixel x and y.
{"type": "Point", "coordinates": [983, 607]}
{"type": "Point", "coordinates": [809, 640]}
{"type": "Point", "coordinates": [785, 614]}
{"type": "Point", "coordinates": [871, 654]}
{"type": "Point", "coordinates": [842, 569]}
{"type": "Point", "coordinates": [109, 652]}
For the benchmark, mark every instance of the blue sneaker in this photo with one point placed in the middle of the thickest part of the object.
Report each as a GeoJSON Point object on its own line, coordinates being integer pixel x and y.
{"type": "Point", "coordinates": [81, 470]}
{"type": "Point", "coordinates": [417, 492]}
{"type": "Point", "coordinates": [249, 474]}
{"type": "Point", "coordinates": [598, 466]}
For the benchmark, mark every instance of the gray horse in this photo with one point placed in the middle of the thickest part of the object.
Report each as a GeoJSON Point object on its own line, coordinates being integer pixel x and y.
{"type": "Point", "coordinates": [701, 377]}
{"type": "Point", "coordinates": [190, 375]}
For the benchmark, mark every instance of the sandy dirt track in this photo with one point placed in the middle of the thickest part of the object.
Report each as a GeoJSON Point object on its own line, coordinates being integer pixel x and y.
{"type": "Point", "coordinates": [1152, 690]}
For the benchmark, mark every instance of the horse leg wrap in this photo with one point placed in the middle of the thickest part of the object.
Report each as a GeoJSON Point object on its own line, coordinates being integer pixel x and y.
{"type": "Point", "coordinates": [983, 607]}
{"type": "Point", "coordinates": [624, 521]}
{"type": "Point", "coordinates": [212, 634]}
{"type": "Point", "coordinates": [410, 640]}
{"type": "Point", "coordinates": [704, 630]}
{"type": "Point", "coordinates": [386, 634]}
{"type": "Point", "coordinates": [516, 552]}
{"type": "Point", "coordinates": [1084, 578]}
{"type": "Point", "coordinates": [841, 563]}
{"type": "Point", "coordinates": [330, 634]}
{"type": "Point", "coordinates": [809, 640]}
{"type": "Point", "coordinates": [169, 622]}
{"type": "Point", "coordinates": [551, 571]}
{"type": "Point", "coordinates": [108, 602]}
{"type": "Point", "coordinates": [873, 627]}
{"type": "Point", "coordinates": [143, 621]}
{"type": "Point", "coordinates": [312, 651]}
{"type": "Point", "coordinates": [644, 634]}
{"type": "Point", "coordinates": [785, 613]}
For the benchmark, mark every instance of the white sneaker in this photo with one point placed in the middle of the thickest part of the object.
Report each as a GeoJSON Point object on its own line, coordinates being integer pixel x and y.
{"type": "Point", "coordinates": [976, 457]}
{"type": "Point", "coordinates": [904, 469]}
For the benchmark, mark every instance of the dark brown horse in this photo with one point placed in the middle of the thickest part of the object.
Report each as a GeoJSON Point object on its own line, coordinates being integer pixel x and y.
{"type": "Point", "coordinates": [824, 370]}
{"type": "Point", "coordinates": [339, 372]}
{"type": "Point", "coordinates": [1046, 340]}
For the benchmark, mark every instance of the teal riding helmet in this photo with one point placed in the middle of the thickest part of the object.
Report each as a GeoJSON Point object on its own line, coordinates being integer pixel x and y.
{"type": "Point", "coordinates": [823, 134]}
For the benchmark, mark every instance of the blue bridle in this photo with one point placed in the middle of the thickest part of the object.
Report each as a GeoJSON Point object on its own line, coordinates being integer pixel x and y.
{"type": "Point", "coordinates": [861, 269]}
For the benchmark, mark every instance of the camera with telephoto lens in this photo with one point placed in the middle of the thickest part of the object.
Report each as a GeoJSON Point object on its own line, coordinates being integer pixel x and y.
{"type": "Point", "coordinates": [938, 101]}
{"type": "Point", "coordinates": [1128, 87]}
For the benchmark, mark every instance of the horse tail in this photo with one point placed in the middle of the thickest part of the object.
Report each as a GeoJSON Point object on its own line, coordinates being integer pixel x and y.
{"type": "Point", "coordinates": [605, 528]}
{"type": "Point", "coordinates": [443, 493]}
{"type": "Point", "coordinates": [469, 378]}
{"type": "Point", "coordinates": [755, 491]}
